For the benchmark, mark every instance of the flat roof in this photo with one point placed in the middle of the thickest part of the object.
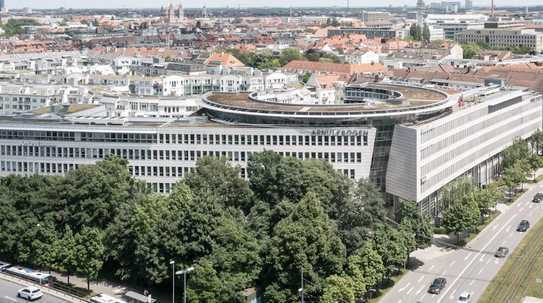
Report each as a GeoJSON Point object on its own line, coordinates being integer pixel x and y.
{"type": "Point", "coordinates": [417, 98]}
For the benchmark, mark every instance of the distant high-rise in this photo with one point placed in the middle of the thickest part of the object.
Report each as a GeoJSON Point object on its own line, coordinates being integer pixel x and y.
{"type": "Point", "coordinates": [421, 6]}
{"type": "Point", "coordinates": [468, 5]}
{"type": "Point", "coordinates": [2, 5]}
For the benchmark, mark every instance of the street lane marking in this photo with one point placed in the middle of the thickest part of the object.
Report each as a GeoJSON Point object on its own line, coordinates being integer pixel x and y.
{"type": "Point", "coordinates": [482, 259]}
{"type": "Point", "coordinates": [421, 289]}
{"type": "Point", "coordinates": [480, 271]}
{"type": "Point", "coordinates": [410, 290]}
{"type": "Point", "coordinates": [469, 255]}
{"type": "Point", "coordinates": [530, 206]}
{"type": "Point", "coordinates": [452, 263]}
{"type": "Point", "coordinates": [473, 260]}
{"type": "Point", "coordinates": [405, 287]}
{"type": "Point", "coordinates": [420, 279]}
{"type": "Point", "coordinates": [488, 261]}
{"type": "Point", "coordinates": [431, 267]}
{"type": "Point", "coordinates": [472, 282]}
{"type": "Point", "coordinates": [10, 299]}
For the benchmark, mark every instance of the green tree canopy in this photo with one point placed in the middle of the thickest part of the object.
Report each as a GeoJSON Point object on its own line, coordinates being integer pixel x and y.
{"type": "Point", "coordinates": [305, 240]}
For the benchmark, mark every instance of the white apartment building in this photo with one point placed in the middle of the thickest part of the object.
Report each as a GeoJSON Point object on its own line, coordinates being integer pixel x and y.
{"type": "Point", "coordinates": [503, 38]}
{"type": "Point", "coordinates": [189, 85]}
{"type": "Point", "coordinates": [149, 107]}
{"type": "Point", "coordinates": [17, 98]}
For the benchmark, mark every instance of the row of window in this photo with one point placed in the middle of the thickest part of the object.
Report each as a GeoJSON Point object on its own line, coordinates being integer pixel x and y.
{"type": "Point", "coordinates": [465, 132]}
{"type": "Point", "coordinates": [211, 139]}
{"type": "Point", "coordinates": [452, 169]}
{"type": "Point", "coordinates": [146, 154]}
{"type": "Point", "coordinates": [478, 140]}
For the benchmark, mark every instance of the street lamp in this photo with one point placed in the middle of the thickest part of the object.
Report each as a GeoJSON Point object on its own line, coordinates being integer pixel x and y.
{"type": "Point", "coordinates": [172, 263]}
{"type": "Point", "coordinates": [184, 273]}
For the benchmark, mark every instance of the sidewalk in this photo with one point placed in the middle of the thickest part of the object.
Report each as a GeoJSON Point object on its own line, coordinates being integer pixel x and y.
{"type": "Point", "coordinates": [107, 287]}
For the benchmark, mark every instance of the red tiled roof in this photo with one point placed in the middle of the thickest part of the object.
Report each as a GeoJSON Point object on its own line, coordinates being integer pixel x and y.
{"type": "Point", "coordinates": [334, 68]}
{"type": "Point", "coordinates": [224, 59]}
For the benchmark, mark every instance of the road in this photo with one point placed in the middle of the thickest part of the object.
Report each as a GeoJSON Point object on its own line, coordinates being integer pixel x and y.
{"type": "Point", "coordinates": [472, 268]}
{"type": "Point", "coordinates": [8, 294]}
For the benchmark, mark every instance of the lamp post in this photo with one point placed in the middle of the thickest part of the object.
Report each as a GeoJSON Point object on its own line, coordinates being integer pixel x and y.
{"type": "Point", "coordinates": [184, 273]}
{"type": "Point", "coordinates": [172, 263]}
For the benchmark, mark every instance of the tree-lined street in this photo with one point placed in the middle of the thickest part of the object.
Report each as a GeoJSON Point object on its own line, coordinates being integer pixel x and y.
{"type": "Point", "coordinates": [469, 269]}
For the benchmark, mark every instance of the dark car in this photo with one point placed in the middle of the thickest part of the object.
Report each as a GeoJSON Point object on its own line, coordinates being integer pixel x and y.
{"type": "Point", "coordinates": [523, 226]}
{"type": "Point", "coordinates": [501, 252]}
{"type": "Point", "coordinates": [437, 286]}
{"type": "Point", "coordinates": [538, 198]}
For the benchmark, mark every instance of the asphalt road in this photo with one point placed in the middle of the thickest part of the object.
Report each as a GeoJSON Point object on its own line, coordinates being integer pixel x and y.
{"type": "Point", "coordinates": [472, 268]}
{"type": "Point", "coordinates": [8, 294]}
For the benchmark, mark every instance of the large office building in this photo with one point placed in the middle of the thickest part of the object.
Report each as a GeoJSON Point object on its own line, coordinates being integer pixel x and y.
{"type": "Point", "coordinates": [503, 38]}
{"type": "Point", "coordinates": [455, 23]}
{"type": "Point", "coordinates": [410, 140]}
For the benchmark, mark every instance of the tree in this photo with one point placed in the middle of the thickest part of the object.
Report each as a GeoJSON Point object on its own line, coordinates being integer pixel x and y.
{"type": "Point", "coordinates": [365, 268]}
{"type": "Point", "coordinates": [415, 32]}
{"type": "Point", "coordinates": [537, 141]}
{"type": "Point", "coordinates": [487, 198]}
{"type": "Point", "coordinates": [68, 254]}
{"type": "Point", "coordinates": [515, 175]}
{"type": "Point", "coordinates": [462, 216]}
{"type": "Point", "coordinates": [289, 54]}
{"type": "Point", "coordinates": [90, 253]}
{"type": "Point", "coordinates": [358, 216]}
{"type": "Point", "coordinates": [305, 240]}
{"type": "Point", "coordinates": [394, 246]}
{"type": "Point", "coordinates": [456, 191]}
{"type": "Point", "coordinates": [93, 193]}
{"type": "Point", "coordinates": [338, 289]}
{"type": "Point", "coordinates": [218, 180]}
{"type": "Point", "coordinates": [414, 221]}
{"type": "Point", "coordinates": [471, 50]}
{"type": "Point", "coordinates": [518, 151]}
{"type": "Point", "coordinates": [426, 35]}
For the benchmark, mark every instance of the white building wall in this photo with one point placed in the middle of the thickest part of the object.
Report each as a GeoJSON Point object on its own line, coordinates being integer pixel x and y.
{"type": "Point", "coordinates": [174, 150]}
{"type": "Point", "coordinates": [451, 146]}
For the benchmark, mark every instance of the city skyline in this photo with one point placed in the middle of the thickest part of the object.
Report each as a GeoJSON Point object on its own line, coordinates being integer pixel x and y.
{"type": "Point", "coordinates": [220, 3]}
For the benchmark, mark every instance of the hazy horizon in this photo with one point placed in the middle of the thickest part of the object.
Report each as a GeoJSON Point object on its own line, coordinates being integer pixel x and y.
{"type": "Point", "coordinates": [37, 4]}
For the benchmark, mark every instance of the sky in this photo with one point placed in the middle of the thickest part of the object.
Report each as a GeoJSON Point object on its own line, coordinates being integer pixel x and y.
{"type": "Point", "coordinates": [231, 3]}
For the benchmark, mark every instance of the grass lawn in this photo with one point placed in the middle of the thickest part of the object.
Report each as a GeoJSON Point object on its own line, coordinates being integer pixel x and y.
{"type": "Point", "coordinates": [522, 273]}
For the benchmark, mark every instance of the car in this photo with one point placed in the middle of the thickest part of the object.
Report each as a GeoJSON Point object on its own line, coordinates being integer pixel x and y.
{"type": "Point", "coordinates": [437, 286]}
{"type": "Point", "coordinates": [4, 265]}
{"type": "Point", "coordinates": [464, 297]}
{"type": "Point", "coordinates": [30, 293]}
{"type": "Point", "coordinates": [523, 226]}
{"type": "Point", "coordinates": [538, 198]}
{"type": "Point", "coordinates": [501, 252]}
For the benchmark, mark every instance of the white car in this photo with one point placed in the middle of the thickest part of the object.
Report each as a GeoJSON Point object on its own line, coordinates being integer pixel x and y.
{"type": "Point", "coordinates": [30, 293]}
{"type": "Point", "coordinates": [465, 297]}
